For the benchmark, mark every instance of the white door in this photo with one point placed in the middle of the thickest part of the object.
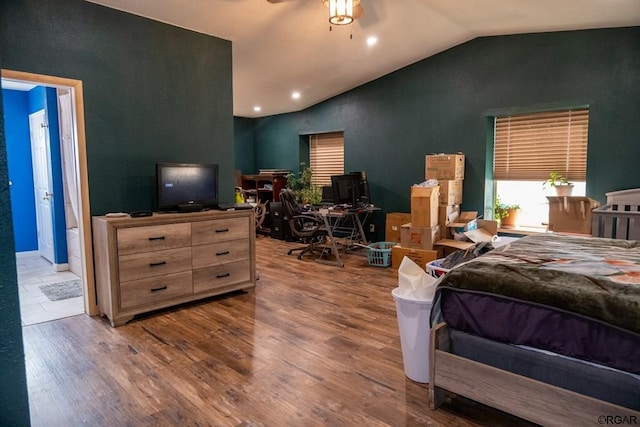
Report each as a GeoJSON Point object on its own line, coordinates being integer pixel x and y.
{"type": "Point", "coordinates": [42, 184]}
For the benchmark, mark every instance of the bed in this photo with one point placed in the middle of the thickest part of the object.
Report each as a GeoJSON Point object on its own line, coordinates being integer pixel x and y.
{"type": "Point", "coordinates": [546, 328]}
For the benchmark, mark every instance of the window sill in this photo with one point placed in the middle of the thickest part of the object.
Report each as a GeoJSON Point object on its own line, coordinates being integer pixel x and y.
{"type": "Point", "coordinates": [521, 231]}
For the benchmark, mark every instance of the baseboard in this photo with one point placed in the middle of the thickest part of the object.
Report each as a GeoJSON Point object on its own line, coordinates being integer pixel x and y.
{"type": "Point", "coordinates": [26, 254]}
{"type": "Point", "coordinates": [61, 267]}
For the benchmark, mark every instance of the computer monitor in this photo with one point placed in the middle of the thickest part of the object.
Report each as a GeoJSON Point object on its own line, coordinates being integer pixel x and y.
{"type": "Point", "coordinates": [365, 195]}
{"type": "Point", "coordinates": [327, 194]}
{"type": "Point", "coordinates": [350, 189]}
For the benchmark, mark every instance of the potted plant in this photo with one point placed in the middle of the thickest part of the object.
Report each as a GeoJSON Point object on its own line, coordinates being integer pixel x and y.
{"type": "Point", "coordinates": [506, 214]}
{"type": "Point", "coordinates": [306, 192]}
{"type": "Point", "coordinates": [560, 183]}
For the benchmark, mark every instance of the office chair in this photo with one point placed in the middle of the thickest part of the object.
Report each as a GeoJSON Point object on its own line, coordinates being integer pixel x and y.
{"type": "Point", "coordinates": [308, 228]}
{"type": "Point", "coordinates": [261, 212]}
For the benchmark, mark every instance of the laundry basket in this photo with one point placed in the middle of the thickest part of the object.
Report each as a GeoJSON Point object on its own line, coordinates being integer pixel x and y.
{"type": "Point", "coordinates": [379, 253]}
{"type": "Point", "coordinates": [435, 270]}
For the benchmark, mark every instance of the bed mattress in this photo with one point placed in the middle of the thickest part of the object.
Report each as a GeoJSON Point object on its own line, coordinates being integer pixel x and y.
{"type": "Point", "coordinates": [574, 296]}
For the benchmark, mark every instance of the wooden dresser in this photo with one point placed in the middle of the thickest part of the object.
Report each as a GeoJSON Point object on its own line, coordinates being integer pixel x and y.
{"type": "Point", "coordinates": [143, 264]}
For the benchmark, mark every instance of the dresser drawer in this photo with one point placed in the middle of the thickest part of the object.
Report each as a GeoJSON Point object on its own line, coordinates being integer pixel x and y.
{"type": "Point", "coordinates": [151, 264]}
{"type": "Point", "coordinates": [153, 238]}
{"type": "Point", "coordinates": [220, 230]}
{"type": "Point", "coordinates": [208, 278]}
{"type": "Point", "coordinates": [155, 289]}
{"type": "Point", "coordinates": [220, 253]}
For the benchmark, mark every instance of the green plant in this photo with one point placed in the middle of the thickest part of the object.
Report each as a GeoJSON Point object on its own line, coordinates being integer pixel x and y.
{"type": "Point", "coordinates": [301, 185]}
{"type": "Point", "coordinates": [501, 210]}
{"type": "Point", "coordinates": [555, 179]}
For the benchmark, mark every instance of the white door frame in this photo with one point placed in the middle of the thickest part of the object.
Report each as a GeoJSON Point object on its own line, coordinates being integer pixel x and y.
{"type": "Point", "coordinates": [84, 220]}
{"type": "Point", "coordinates": [41, 162]}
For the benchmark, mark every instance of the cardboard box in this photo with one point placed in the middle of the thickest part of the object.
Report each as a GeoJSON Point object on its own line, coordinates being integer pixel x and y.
{"type": "Point", "coordinates": [468, 230]}
{"type": "Point", "coordinates": [419, 256]}
{"type": "Point", "coordinates": [424, 206]}
{"type": "Point", "coordinates": [394, 221]}
{"type": "Point", "coordinates": [447, 214]}
{"type": "Point", "coordinates": [450, 192]}
{"type": "Point", "coordinates": [419, 237]}
{"type": "Point", "coordinates": [462, 220]}
{"type": "Point", "coordinates": [571, 214]}
{"type": "Point", "coordinates": [444, 166]}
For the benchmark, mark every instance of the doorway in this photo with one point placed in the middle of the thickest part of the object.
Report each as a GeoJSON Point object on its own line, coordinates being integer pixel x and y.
{"type": "Point", "coordinates": [84, 268]}
{"type": "Point", "coordinates": [41, 164]}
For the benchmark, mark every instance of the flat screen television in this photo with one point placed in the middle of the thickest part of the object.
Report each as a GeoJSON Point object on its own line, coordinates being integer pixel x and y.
{"type": "Point", "coordinates": [186, 187]}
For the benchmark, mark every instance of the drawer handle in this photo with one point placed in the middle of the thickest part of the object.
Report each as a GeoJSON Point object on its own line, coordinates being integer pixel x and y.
{"type": "Point", "coordinates": [156, 238]}
{"type": "Point", "coordinates": [159, 289]}
{"type": "Point", "coordinates": [220, 276]}
{"type": "Point", "coordinates": [157, 264]}
{"type": "Point", "coordinates": [222, 253]}
{"type": "Point", "coordinates": [224, 230]}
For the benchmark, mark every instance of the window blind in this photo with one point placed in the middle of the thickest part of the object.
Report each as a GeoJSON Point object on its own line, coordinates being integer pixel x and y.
{"type": "Point", "coordinates": [530, 146]}
{"type": "Point", "coordinates": [326, 157]}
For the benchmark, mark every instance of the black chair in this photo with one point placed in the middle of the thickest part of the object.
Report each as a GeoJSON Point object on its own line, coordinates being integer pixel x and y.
{"type": "Point", "coordinates": [307, 227]}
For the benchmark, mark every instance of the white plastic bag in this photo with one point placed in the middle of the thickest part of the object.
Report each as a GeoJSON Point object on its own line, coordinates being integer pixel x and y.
{"type": "Point", "coordinates": [414, 282]}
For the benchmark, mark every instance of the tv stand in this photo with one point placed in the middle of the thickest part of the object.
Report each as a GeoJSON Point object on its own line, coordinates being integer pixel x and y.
{"type": "Point", "coordinates": [148, 263]}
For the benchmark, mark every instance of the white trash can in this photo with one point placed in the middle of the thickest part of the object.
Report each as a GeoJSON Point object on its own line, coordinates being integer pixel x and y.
{"type": "Point", "coordinates": [413, 323]}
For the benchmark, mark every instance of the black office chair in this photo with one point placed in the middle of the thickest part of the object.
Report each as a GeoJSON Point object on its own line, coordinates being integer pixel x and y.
{"type": "Point", "coordinates": [308, 228]}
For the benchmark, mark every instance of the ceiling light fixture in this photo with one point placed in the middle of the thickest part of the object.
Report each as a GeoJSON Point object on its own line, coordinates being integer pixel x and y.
{"type": "Point", "coordinates": [341, 11]}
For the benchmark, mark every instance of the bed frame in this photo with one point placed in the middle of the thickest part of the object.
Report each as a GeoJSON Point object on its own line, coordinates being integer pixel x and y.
{"type": "Point", "coordinates": [518, 395]}
{"type": "Point", "coordinates": [515, 394]}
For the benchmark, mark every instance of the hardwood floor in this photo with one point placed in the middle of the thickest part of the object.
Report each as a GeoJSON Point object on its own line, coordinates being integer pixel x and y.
{"type": "Point", "coordinates": [312, 345]}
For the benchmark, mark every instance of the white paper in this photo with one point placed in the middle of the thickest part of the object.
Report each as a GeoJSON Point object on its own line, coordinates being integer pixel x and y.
{"type": "Point", "coordinates": [414, 282]}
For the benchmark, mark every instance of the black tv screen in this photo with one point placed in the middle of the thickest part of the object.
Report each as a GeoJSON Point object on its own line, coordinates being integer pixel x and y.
{"type": "Point", "coordinates": [186, 184]}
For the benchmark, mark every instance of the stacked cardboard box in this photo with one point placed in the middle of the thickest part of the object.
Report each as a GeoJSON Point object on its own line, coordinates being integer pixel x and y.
{"type": "Point", "coordinates": [418, 236]}
{"type": "Point", "coordinates": [432, 209]}
{"type": "Point", "coordinates": [448, 169]}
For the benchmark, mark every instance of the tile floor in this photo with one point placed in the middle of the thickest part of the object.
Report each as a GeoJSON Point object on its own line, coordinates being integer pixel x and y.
{"type": "Point", "coordinates": [33, 272]}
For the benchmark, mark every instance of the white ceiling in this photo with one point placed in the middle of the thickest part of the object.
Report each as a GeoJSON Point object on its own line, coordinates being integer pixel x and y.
{"type": "Point", "coordinates": [286, 47]}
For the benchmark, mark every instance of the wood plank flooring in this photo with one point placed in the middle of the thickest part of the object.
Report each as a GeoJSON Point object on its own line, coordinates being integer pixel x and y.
{"type": "Point", "coordinates": [312, 345]}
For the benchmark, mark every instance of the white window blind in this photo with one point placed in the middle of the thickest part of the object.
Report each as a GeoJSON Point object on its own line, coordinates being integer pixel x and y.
{"type": "Point", "coordinates": [326, 157]}
{"type": "Point", "coordinates": [530, 146]}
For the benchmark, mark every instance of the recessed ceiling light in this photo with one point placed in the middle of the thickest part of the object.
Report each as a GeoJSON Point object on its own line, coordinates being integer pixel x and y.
{"type": "Point", "coordinates": [372, 40]}
{"type": "Point", "coordinates": [295, 95]}
{"type": "Point", "coordinates": [257, 108]}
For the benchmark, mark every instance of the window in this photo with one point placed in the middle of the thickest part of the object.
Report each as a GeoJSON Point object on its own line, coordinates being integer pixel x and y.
{"type": "Point", "coordinates": [326, 157]}
{"type": "Point", "coordinates": [530, 146]}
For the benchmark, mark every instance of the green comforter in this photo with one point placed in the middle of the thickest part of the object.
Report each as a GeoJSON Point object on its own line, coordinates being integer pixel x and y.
{"type": "Point", "coordinates": [594, 277]}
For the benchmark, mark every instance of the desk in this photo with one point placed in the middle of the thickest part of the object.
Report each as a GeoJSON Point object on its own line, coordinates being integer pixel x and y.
{"type": "Point", "coordinates": [345, 224]}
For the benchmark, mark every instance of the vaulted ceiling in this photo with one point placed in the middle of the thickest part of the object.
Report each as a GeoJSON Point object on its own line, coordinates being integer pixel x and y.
{"type": "Point", "coordinates": [286, 47]}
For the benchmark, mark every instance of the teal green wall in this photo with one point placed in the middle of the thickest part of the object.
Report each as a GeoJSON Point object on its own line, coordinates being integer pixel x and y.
{"type": "Point", "coordinates": [14, 407]}
{"type": "Point", "coordinates": [243, 147]}
{"type": "Point", "coordinates": [440, 104]}
{"type": "Point", "coordinates": [152, 92]}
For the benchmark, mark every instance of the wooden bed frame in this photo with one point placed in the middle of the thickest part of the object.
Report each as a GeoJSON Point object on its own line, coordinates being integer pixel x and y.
{"type": "Point", "coordinates": [523, 397]}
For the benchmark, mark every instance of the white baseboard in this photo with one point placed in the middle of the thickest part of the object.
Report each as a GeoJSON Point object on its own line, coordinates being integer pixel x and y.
{"type": "Point", "coordinates": [61, 267]}
{"type": "Point", "coordinates": [26, 254]}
